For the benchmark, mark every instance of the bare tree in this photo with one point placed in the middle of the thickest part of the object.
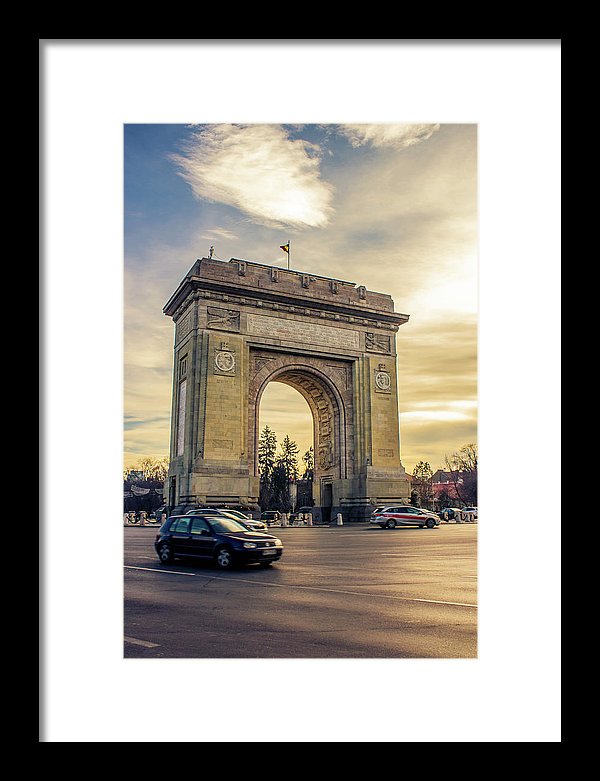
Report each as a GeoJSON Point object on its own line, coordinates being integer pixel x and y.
{"type": "Point", "coordinates": [462, 467]}
{"type": "Point", "coordinates": [154, 468]}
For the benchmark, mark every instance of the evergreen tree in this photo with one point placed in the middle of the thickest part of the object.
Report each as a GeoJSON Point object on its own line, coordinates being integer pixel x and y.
{"type": "Point", "coordinates": [309, 464]}
{"type": "Point", "coordinates": [288, 458]}
{"type": "Point", "coordinates": [280, 491]}
{"type": "Point", "coordinates": [267, 448]}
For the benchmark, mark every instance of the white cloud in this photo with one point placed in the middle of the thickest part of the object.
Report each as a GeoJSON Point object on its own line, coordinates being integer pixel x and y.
{"type": "Point", "coordinates": [218, 233]}
{"type": "Point", "coordinates": [398, 136]}
{"type": "Point", "coordinates": [441, 415]}
{"type": "Point", "coordinates": [259, 170]}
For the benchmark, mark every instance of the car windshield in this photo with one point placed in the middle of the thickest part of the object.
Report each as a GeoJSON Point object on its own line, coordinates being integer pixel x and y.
{"type": "Point", "coordinates": [206, 511]}
{"type": "Point", "coordinates": [225, 525]}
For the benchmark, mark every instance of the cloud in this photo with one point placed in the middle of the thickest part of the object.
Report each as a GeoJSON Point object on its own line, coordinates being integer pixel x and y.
{"type": "Point", "coordinates": [429, 415]}
{"type": "Point", "coordinates": [259, 170]}
{"type": "Point", "coordinates": [398, 136]}
{"type": "Point", "coordinates": [218, 233]}
{"type": "Point", "coordinates": [405, 224]}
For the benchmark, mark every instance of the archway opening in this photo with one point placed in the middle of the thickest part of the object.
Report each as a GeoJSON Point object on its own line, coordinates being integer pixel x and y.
{"type": "Point", "coordinates": [286, 413]}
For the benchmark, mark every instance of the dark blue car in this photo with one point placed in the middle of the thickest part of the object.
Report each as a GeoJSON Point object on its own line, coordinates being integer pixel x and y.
{"type": "Point", "coordinates": [220, 539]}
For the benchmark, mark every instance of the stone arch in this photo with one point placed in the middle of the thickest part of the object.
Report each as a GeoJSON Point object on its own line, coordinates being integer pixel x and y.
{"type": "Point", "coordinates": [324, 389]}
{"type": "Point", "coordinates": [241, 325]}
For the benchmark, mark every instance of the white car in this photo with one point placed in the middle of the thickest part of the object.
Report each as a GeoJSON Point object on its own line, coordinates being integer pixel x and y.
{"type": "Point", "coordinates": [450, 514]}
{"type": "Point", "coordinates": [469, 514]}
{"type": "Point", "coordinates": [390, 517]}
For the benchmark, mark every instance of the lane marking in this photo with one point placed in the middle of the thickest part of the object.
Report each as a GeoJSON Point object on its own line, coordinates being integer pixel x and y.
{"type": "Point", "coordinates": [145, 643]}
{"type": "Point", "coordinates": [303, 588]}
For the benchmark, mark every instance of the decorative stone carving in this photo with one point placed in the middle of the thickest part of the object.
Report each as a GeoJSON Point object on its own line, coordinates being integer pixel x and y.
{"type": "Point", "coordinates": [184, 326]}
{"type": "Point", "coordinates": [378, 343]}
{"type": "Point", "coordinates": [383, 381]}
{"type": "Point", "coordinates": [224, 360]}
{"type": "Point", "coordinates": [223, 319]}
{"type": "Point", "coordinates": [259, 362]}
{"type": "Point", "coordinates": [341, 375]}
{"type": "Point", "coordinates": [325, 459]}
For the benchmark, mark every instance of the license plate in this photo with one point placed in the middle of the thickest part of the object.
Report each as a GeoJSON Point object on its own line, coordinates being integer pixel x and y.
{"type": "Point", "coordinates": [269, 552]}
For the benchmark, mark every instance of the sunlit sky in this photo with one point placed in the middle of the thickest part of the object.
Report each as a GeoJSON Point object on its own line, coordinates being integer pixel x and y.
{"type": "Point", "coordinates": [391, 207]}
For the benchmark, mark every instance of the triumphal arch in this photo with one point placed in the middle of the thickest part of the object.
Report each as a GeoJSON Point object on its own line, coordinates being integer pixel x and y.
{"type": "Point", "coordinates": [241, 325]}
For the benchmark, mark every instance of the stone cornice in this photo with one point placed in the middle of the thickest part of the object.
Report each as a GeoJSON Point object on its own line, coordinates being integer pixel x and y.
{"type": "Point", "coordinates": [231, 283]}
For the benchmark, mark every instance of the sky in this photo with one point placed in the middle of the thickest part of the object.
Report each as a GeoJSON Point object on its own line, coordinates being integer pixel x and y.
{"type": "Point", "coordinates": [389, 206]}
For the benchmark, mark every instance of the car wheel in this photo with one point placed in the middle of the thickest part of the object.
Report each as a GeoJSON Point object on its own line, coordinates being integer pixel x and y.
{"type": "Point", "coordinates": [165, 555]}
{"type": "Point", "coordinates": [223, 558]}
{"type": "Point", "coordinates": [430, 523]}
{"type": "Point", "coordinates": [391, 524]}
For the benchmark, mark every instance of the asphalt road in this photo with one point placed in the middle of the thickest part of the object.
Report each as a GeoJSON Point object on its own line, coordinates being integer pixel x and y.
{"type": "Point", "coordinates": [341, 592]}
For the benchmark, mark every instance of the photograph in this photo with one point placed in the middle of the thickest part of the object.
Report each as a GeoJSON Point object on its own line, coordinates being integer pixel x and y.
{"type": "Point", "coordinates": [300, 301]}
{"type": "Point", "coordinates": [300, 390]}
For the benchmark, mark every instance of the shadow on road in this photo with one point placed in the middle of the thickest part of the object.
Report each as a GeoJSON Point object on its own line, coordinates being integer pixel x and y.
{"type": "Point", "coordinates": [401, 529]}
{"type": "Point", "coordinates": [205, 565]}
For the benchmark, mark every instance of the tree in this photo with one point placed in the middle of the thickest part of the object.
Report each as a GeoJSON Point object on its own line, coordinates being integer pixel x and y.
{"type": "Point", "coordinates": [444, 499]}
{"type": "Point", "coordinates": [276, 470]}
{"type": "Point", "coordinates": [267, 448]}
{"type": "Point", "coordinates": [462, 466]}
{"type": "Point", "coordinates": [155, 468]}
{"type": "Point", "coordinates": [422, 483]}
{"type": "Point", "coordinates": [309, 464]}
{"type": "Point", "coordinates": [280, 490]}
{"type": "Point", "coordinates": [288, 458]}
{"type": "Point", "coordinates": [148, 475]}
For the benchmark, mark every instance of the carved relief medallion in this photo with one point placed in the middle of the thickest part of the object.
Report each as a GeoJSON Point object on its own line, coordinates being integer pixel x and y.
{"type": "Point", "coordinates": [224, 360]}
{"type": "Point", "coordinates": [383, 381]}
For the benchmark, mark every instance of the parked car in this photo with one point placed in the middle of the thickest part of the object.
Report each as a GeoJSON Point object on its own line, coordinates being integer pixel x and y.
{"type": "Point", "coordinates": [469, 514]}
{"type": "Point", "coordinates": [390, 517]}
{"type": "Point", "coordinates": [182, 509]}
{"type": "Point", "coordinates": [450, 514]}
{"type": "Point", "coordinates": [270, 517]}
{"type": "Point", "coordinates": [251, 524]}
{"type": "Point", "coordinates": [223, 540]}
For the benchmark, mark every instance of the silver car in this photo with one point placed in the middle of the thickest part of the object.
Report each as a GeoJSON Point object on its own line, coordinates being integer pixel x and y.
{"type": "Point", "coordinates": [255, 526]}
{"type": "Point", "coordinates": [390, 517]}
